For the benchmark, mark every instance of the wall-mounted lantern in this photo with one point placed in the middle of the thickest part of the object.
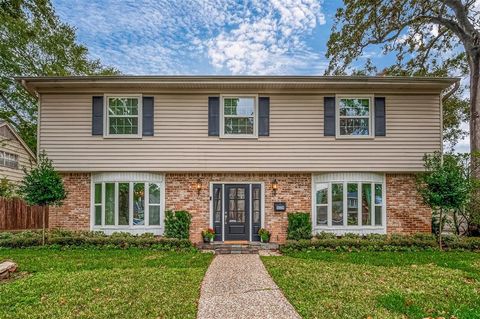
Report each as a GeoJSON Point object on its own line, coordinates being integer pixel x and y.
{"type": "Point", "coordinates": [198, 186]}
{"type": "Point", "coordinates": [274, 187]}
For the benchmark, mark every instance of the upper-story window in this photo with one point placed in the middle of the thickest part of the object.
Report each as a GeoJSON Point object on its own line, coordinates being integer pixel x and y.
{"type": "Point", "coordinates": [123, 116]}
{"type": "Point", "coordinates": [9, 160]}
{"type": "Point", "coordinates": [239, 116]}
{"type": "Point", "coordinates": [354, 116]}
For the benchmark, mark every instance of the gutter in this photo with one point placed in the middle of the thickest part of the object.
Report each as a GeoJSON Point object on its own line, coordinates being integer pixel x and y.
{"type": "Point", "coordinates": [456, 85]}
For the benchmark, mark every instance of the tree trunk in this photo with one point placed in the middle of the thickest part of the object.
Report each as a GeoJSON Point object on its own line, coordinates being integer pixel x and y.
{"type": "Point", "coordinates": [440, 229]}
{"type": "Point", "coordinates": [474, 62]}
{"type": "Point", "coordinates": [43, 225]}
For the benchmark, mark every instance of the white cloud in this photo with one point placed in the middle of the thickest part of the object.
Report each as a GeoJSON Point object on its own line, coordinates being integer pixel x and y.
{"type": "Point", "coordinates": [183, 37]}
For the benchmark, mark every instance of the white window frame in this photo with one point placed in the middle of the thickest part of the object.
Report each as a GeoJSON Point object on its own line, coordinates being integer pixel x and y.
{"type": "Point", "coordinates": [371, 129]}
{"type": "Point", "coordinates": [106, 122]}
{"type": "Point", "coordinates": [131, 179]}
{"type": "Point", "coordinates": [222, 116]}
{"type": "Point", "coordinates": [344, 179]}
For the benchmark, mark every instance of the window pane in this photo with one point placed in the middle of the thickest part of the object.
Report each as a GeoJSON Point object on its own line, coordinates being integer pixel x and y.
{"type": "Point", "coordinates": [378, 194]}
{"type": "Point", "coordinates": [154, 196]}
{"type": "Point", "coordinates": [337, 204]}
{"type": "Point", "coordinates": [110, 204]}
{"type": "Point", "coordinates": [352, 204]}
{"type": "Point", "coordinates": [217, 205]}
{"type": "Point", "coordinates": [243, 106]}
{"type": "Point", "coordinates": [123, 203]}
{"type": "Point", "coordinates": [154, 215]}
{"type": "Point", "coordinates": [123, 125]}
{"type": "Point", "coordinates": [98, 194]}
{"type": "Point", "coordinates": [354, 107]}
{"type": "Point", "coordinates": [378, 215]}
{"type": "Point", "coordinates": [239, 125]}
{"type": "Point", "coordinates": [366, 204]}
{"type": "Point", "coordinates": [256, 205]}
{"type": "Point", "coordinates": [138, 204]}
{"type": "Point", "coordinates": [354, 126]}
{"type": "Point", "coordinates": [322, 194]}
{"type": "Point", "coordinates": [98, 215]}
{"type": "Point", "coordinates": [322, 215]}
{"type": "Point", "coordinates": [123, 106]}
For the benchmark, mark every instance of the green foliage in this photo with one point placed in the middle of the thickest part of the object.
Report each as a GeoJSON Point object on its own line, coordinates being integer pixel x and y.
{"type": "Point", "coordinates": [66, 238]}
{"type": "Point", "coordinates": [299, 226]}
{"type": "Point", "coordinates": [42, 185]}
{"type": "Point", "coordinates": [444, 184]}
{"type": "Point", "coordinates": [7, 189]}
{"type": "Point", "coordinates": [35, 42]}
{"type": "Point", "coordinates": [177, 224]}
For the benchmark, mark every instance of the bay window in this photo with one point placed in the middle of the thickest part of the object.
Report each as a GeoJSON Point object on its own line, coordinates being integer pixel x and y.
{"type": "Point", "coordinates": [134, 205]}
{"type": "Point", "coordinates": [347, 204]}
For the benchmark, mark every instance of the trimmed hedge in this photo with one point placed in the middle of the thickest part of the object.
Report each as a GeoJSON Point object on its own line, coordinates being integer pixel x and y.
{"type": "Point", "coordinates": [177, 224]}
{"type": "Point", "coordinates": [299, 226]}
{"type": "Point", "coordinates": [374, 242]}
{"type": "Point", "coordinates": [92, 239]}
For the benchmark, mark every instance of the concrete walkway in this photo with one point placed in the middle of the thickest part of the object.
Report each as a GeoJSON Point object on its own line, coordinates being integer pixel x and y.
{"type": "Point", "coordinates": [238, 286]}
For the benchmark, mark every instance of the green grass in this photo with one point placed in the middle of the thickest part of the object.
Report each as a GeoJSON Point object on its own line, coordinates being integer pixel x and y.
{"type": "Point", "coordinates": [380, 284]}
{"type": "Point", "coordinates": [102, 283]}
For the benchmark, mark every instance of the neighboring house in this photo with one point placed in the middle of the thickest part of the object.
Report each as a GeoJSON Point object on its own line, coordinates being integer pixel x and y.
{"type": "Point", "coordinates": [239, 153]}
{"type": "Point", "coordinates": [14, 154]}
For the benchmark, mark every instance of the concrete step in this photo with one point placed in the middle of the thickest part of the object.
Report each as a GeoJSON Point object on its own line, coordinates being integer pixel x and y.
{"type": "Point", "coordinates": [241, 248]}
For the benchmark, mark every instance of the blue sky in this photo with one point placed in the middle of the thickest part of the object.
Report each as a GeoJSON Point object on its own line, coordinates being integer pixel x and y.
{"type": "Point", "coordinates": [209, 36]}
{"type": "Point", "coordinates": [206, 36]}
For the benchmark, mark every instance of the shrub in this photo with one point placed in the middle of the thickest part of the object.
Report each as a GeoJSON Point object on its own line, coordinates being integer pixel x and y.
{"type": "Point", "coordinates": [177, 224]}
{"type": "Point", "coordinates": [65, 238]}
{"type": "Point", "coordinates": [299, 226]}
{"type": "Point", "coordinates": [373, 242]}
{"type": "Point", "coordinates": [7, 189]}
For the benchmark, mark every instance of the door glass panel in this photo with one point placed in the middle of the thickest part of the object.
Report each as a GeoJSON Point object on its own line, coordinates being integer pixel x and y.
{"type": "Point", "coordinates": [240, 193]}
{"type": "Point", "coordinates": [109, 203]}
{"type": "Point", "coordinates": [139, 203]}
{"type": "Point", "coordinates": [337, 204]}
{"type": "Point", "coordinates": [366, 204]}
{"type": "Point", "coordinates": [217, 205]}
{"type": "Point", "coordinates": [352, 204]}
{"type": "Point", "coordinates": [236, 205]}
{"type": "Point", "coordinates": [256, 206]}
{"type": "Point", "coordinates": [123, 203]}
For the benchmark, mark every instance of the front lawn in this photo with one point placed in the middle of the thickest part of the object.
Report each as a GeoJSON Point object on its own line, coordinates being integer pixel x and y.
{"type": "Point", "coordinates": [102, 283]}
{"type": "Point", "coordinates": [380, 284]}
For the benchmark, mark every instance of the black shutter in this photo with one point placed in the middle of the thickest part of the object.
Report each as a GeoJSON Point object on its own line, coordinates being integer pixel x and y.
{"type": "Point", "coordinates": [213, 116]}
{"type": "Point", "coordinates": [147, 113]}
{"type": "Point", "coordinates": [97, 115]}
{"type": "Point", "coordinates": [329, 116]}
{"type": "Point", "coordinates": [380, 118]}
{"type": "Point", "coordinates": [263, 116]}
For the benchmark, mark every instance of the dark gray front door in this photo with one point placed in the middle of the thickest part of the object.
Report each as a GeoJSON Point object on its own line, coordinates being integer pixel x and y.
{"type": "Point", "coordinates": [237, 210]}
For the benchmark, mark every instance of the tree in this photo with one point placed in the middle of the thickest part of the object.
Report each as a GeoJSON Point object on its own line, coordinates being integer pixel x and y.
{"type": "Point", "coordinates": [425, 36]}
{"type": "Point", "coordinates": [43, 186]}
{"type": "Point", "coordinates": [444, 185]}
{"type": "Point", "coordinates": [7, 189]}
{"type": "Point", "coordinates": [34, 42]}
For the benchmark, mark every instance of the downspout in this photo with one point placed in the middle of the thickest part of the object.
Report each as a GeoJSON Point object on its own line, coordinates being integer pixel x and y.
{"type": "Point", "coordinates": [456, 85]}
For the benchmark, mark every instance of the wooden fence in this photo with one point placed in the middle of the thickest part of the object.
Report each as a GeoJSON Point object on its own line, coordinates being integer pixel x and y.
{"type": "Point", "coordinates": [15, 215]}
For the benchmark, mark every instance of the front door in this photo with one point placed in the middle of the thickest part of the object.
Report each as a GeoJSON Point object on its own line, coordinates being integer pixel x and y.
{"type": "Point", "coordinates": [237, 211]}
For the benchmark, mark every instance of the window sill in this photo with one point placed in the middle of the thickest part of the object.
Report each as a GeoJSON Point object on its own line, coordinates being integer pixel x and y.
{"type": "Point", "coordinates": [119, 137]}
{"type": "Point", "coordinates": [342, 230]}
{"type": "Point", "coordinates": [358, 137]}
{"type": "Point", "coordinates": [249, 137]}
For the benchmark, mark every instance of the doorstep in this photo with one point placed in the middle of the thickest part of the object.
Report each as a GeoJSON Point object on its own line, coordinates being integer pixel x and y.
{"type": "Point", "coordinates": [237, 247]}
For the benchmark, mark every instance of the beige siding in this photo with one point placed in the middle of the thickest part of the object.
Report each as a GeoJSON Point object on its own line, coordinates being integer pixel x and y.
{"type": "Point", "coordinates": [12, 145]}
{"type": "Point", "coordinates": [296, 141]}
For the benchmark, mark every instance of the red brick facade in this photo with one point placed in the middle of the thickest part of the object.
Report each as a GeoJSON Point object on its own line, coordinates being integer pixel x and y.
{"type": "Point", "coordinates": [75, 211]}
{"type": "Point", "coordinates": [294, 189]}
{"type": "Point", "coordinates": [406, 213]}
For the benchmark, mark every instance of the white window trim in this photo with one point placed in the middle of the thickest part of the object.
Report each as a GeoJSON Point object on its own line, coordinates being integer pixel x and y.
{"type": "Point", "coordinates": [106, 126]}
{"type": "Point", "coordinates": [371, 128]}
{"type": "Point", "coordinates": [131, 178]}
{"type": "Point", "coordinates": [222, 116]}
{"type": "Point", "coordinates": [344, 229]}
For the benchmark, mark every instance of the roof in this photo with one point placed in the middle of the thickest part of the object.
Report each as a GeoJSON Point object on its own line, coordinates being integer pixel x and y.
{"type": "Point", "coordinates": [43, 84]}
{"type": "Point", "coordinates": [20, 140]}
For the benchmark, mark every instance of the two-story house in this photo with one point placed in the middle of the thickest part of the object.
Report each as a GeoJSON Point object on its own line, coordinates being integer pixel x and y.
{"type": "Point", "coordinates": [240, 152]}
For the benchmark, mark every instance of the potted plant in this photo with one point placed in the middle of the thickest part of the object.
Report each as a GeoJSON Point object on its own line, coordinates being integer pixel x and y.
{"type": "Point", "coordinates": [208, 235]}
{"type": "Point", "coordinates": [264, 235]}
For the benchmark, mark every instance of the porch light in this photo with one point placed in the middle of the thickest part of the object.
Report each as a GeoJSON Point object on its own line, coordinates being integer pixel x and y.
{"type": "Point", "coordinates": [198, 186]}
{"type": "Point", "coordinates": [274, 186]}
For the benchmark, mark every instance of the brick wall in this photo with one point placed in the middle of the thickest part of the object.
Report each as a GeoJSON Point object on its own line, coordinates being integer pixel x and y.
{"type": "Point", "coordinates": [294, 189]}
{"type": "Point", "coordinates": [75, 212]}
{"type": "Point", "coordinates": [406, 212]}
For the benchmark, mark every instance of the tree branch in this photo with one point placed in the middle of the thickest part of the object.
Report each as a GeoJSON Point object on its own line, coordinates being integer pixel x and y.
{"type": "Point", "coordinates": [461, 15]}
{"type": "Point", "coordinates": [11, 108]}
